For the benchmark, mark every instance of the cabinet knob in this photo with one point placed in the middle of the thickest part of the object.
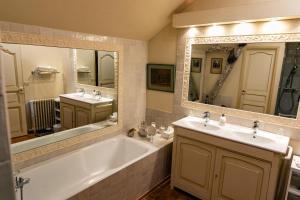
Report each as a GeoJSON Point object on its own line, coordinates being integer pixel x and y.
{"type": "Point", "coordinates": [216, 176]}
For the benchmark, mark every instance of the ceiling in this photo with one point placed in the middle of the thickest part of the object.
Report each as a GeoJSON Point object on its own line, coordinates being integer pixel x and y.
{"type": "Point", "coordinates": [135, 19]}
{"type": "Point", "coordinates": [213, 4]}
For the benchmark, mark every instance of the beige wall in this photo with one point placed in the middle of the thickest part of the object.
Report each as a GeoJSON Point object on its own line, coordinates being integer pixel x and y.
{"type": "Point", "coordinates": [162, 50]}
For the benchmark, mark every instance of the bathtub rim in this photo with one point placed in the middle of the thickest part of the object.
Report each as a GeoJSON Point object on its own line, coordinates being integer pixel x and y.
{"type": "Point", "coordinates": [151, 148]}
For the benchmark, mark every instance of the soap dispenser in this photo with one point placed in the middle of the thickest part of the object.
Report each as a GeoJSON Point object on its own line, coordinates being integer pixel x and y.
{"type": "Point", "coordinates": [222, 120]}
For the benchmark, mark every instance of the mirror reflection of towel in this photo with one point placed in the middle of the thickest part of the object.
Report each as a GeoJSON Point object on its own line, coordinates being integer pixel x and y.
{"type": "Point", "coordinates": [82, 68]}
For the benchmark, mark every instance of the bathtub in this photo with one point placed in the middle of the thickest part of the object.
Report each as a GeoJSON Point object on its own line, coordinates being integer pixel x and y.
{"type": "Point", "coordinates": [64, 176]}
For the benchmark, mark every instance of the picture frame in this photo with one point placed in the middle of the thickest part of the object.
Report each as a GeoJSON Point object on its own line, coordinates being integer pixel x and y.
{"type": "Point", "coordinates": [161, 77]}
{"type": "Point", "coordinates": [216, 66]}
{"type": "Point", "coordinates": [196, 65]}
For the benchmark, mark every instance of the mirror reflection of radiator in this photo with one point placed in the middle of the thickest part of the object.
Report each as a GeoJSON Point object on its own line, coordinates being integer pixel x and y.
{"type": "Point", "coordinates": [42, 114]}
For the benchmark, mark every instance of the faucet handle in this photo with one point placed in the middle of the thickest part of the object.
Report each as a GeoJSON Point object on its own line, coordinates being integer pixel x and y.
{"type": "Point", "coordinates": [206, 114]}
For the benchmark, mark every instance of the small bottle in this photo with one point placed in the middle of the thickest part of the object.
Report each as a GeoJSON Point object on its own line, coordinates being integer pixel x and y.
{"type": "Point", "coordinates": [222, 120]}
{"type": "Point", "coordinates": [151, 130]}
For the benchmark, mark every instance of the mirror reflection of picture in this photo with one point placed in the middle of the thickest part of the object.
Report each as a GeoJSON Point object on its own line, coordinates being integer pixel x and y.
{"type": "Point", "coordinates": [160, 77]}
{"type": "Point", "coordinates": [196, 65]}
{"type": "Point", "coordinates": [216, 66]}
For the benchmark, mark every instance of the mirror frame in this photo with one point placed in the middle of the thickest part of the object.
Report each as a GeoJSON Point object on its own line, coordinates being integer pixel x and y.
{"type": "Point", "coordinates": [75, 41]}
{"type": "Point", "coordinates": [262, 38]}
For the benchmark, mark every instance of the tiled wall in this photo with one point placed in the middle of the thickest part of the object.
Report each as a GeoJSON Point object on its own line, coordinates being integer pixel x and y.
{"type": "Point", "coordinates": [134, 181]}
{"type": "Point", "coordinates": [6, 180]}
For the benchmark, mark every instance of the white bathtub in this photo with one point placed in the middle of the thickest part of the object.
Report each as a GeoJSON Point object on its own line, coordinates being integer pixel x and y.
{"type": "Point", "coordinates": [67, 175]}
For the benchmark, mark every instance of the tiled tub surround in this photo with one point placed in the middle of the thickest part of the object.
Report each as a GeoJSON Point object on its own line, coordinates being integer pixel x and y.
{"type": "Point", "coordinates": [132, 64]}
{"type": "Point", "coordinates": [278, 126]}
{"type": "Point", "coordinates": [116, 168]}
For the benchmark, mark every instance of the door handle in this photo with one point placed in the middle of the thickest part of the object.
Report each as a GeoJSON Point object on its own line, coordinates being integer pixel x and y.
{"type": "Point", "coordinates": [21, 90]}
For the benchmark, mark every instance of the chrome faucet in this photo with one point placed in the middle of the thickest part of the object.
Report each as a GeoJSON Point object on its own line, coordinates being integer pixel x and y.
{"type": "Point", "coordinates": [19, 184]}
{"type": "Point", "coordinates": [206, 116]}
{"type": "Point", "coordinates": [98, 93]}
{"type": "Point", "coordinates": [81, 90]}
{"type": "Point", "coordinates": [255, 128]}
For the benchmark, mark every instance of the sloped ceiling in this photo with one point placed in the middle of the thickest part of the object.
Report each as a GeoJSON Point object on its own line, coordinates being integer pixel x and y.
{"type": "Point", "coordinates": [213, 4]}
{"type": "Point", "coordinates": [136, 19]}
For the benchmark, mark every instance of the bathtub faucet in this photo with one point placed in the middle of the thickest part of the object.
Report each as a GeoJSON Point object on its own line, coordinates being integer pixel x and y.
{"type": "Point", "coordinates": [20, 182]}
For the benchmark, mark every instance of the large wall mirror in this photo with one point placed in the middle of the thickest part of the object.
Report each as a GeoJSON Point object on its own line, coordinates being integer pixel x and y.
{"type": "Point", "coordinates": [55, 93]}
{"type": "Point", "coordinates": [261, 77]}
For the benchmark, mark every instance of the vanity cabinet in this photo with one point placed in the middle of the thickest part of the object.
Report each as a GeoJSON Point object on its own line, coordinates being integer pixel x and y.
{"type": "Point", "coordinates": [76, 113]}
{"type": "Point", "coordinates": [209, 167]}
{"type": "Point", "coordinates": [67, 116]}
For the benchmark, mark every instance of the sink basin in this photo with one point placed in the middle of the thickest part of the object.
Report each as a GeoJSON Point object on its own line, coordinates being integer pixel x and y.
{"type": "Point", "coordinates": [251, 138]}
{"type": "Point", "coordinates": [200, 124]}
{"type": "Point", "coordinates": [87, 98]}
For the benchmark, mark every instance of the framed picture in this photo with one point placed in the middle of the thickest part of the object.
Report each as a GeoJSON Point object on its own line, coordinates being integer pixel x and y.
{"type": "Point", "coordinates": [216, 66]}
{"type": "Point", "coordinates": [196, 65]}
{"type": "Point", "coordinates": [160, 77]}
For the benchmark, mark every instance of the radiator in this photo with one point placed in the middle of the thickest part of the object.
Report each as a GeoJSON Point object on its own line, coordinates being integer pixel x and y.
{"type": "Point", "coordinates": [42, 114]}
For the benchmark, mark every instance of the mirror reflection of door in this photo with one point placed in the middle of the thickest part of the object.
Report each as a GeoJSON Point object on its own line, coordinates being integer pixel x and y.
{"type": "Point", "coordinates": [256, 79]}
{"type": "Point", "coordinates": [106, 69]}
{"type": "Point", "coordinates": [14, 90]}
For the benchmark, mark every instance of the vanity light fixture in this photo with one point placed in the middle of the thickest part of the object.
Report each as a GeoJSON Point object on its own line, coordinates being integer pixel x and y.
{"type": "Point", "coordinates": [192, 32]}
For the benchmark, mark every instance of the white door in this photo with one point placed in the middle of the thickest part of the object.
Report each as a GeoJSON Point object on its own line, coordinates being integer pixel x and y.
{"type": "Point", "coordinates": [256, 79]}
{"type": "Point", "coordinates": [14, 91]}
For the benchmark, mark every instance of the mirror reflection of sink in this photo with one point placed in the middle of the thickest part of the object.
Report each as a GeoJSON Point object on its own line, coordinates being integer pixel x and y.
{"type": "Point", "coordinates": [88, 98]}
{"type": "Point", "coordinates": [250, 137]}
{"type": "Point", "coordinates": [200, 124]}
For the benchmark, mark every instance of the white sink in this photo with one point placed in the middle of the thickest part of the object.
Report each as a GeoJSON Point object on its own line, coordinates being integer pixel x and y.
{"type": "Point", "coordinates": [254, 138]}
{"type": "Point", "coordinates": [200, 124]}
{"type": "Point", "coordinates": [87, 98]}
{"type": "Point", "coordinates": [263, 139]}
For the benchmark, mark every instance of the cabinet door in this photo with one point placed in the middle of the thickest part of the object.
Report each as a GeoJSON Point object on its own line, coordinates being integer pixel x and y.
{"type": "Point", "coordinates": [194, 167]}
{"type": "Point", "coordinates": [83, 117]}
{"type": "Point", "coordinates": [239, 177]}
{"type": "Point", "coordinates": [67, 116]}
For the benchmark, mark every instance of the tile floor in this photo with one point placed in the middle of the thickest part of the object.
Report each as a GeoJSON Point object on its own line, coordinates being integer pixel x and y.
{"type": "Point", "coordinates": [164, 192]}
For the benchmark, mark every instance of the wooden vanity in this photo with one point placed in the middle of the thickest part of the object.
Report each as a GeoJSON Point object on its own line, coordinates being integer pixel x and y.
{"type": "Point", "coordinates": [211, 167]}
{"type": "Point", "coordinates": [76, 112]}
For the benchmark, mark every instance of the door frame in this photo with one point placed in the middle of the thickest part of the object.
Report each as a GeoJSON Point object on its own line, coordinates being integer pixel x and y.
{"type": "Point", "coordinates": [243, 71]}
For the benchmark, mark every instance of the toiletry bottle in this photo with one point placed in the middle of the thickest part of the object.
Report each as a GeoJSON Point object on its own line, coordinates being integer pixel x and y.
{"type": "Point", "coordinates": [222, 120]}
